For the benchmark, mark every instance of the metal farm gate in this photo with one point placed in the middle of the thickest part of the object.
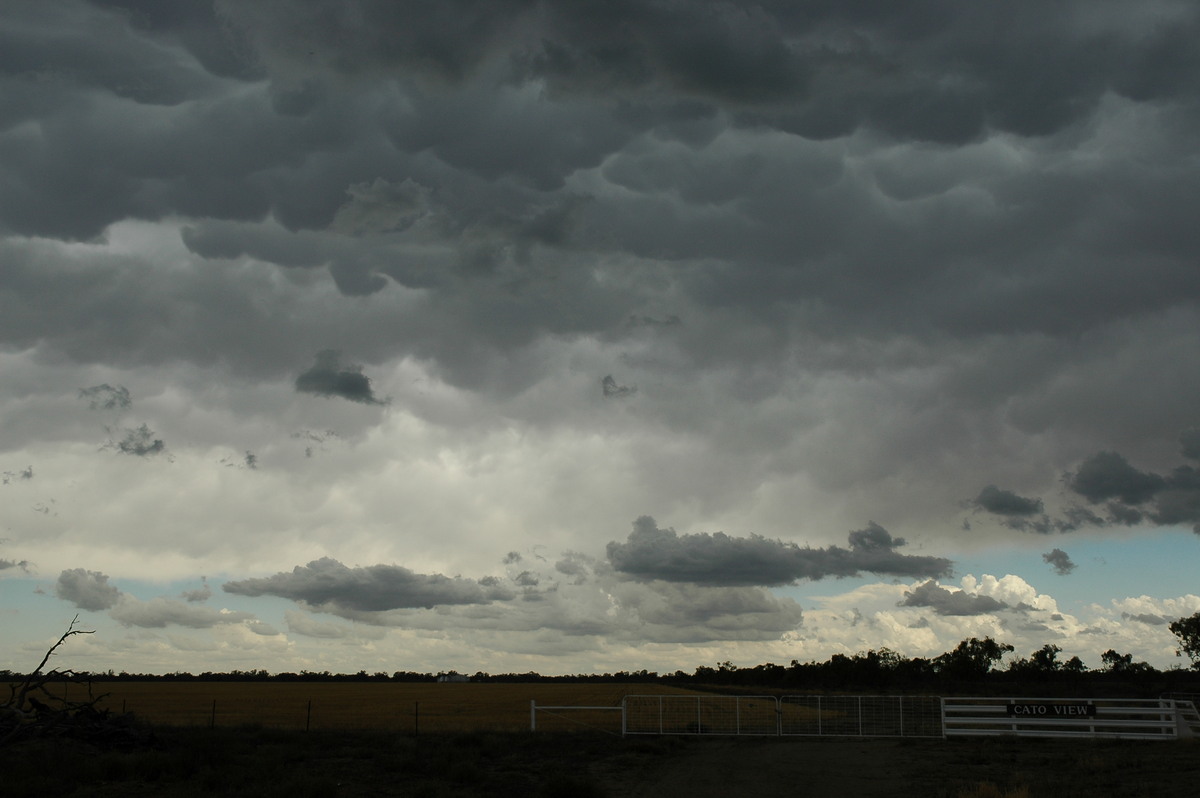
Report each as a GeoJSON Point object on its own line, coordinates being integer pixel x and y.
{"type": "Point", "coordinates": [1165, 718]}
{"type": "Point", "coordinates": [816, 716]}
{"type": "Point", "coordinates": [860, 716]}
{"type": "Point", "coordinates": [700, 714]}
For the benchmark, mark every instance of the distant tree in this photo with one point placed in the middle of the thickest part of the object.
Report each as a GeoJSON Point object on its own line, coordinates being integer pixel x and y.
{"type": "Point", "coordinates": [1123, 664]}
{"type": "Point", "coordinates": [1045, 659]}
{"type": "Point", "coordinates": [1188, 631]}
{"type": "Point", "coordinates": [1074, 665]}
{"type": "Point", "coordinates": [971, 659]}
{"type": "Point", "coordinates": [1114, 662]}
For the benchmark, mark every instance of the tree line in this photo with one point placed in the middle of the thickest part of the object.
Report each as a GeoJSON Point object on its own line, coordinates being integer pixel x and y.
{"type": "Point", "coordinates": [973, 664]}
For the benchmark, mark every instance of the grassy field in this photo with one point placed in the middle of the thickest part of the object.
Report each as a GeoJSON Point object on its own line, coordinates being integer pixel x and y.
{"type": "Point", "coordinates": [474, 740]}
{"type": "Point", "coordinates": [393, 706]}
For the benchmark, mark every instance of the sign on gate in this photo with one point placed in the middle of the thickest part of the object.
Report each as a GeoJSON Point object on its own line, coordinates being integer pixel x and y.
{"type": "Point", "coordinates": [1051, 709]}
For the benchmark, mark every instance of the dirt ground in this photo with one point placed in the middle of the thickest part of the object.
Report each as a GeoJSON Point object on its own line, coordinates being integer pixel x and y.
{"type": "Point", "coordinates": [265, 763]}
{"type": "Point", "coordinates": [837, 768]}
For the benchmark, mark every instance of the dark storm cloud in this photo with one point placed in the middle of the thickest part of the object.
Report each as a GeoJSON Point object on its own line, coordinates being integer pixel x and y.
{"type": "Point", "coordinates": [718, 559]}
{"type": "Point", "coordinates": [328, 377]}
{"type": "Point", "coordinates": [1133, 496]}
{"type": "Point", "coordinates": [87, 590]}
{"type": "Point", "coordinates": [950, 602]}
{"type": "Point", "coordinates": [106, 397]}
{"type": "Point", "coordinates": [1189, 444]}
{"type": "Point", "coordinates": [1005, 502]}
{"type": "Point", "coordinates": [140, 442]}
{"type": "Point", "coordinates": [12, 476]}
{"type": "Point", "coordinates": [22, 565]}
{"type": "Point", "coordinates": [612, 390]}
{"type": "Point", "coordinates": [1128, 495]}
{"type": "Point", "coordinates": [1060, 561]}
{"type": "Point", "coordinates": [594, 607]}
{"type": "Point", "coordinates": [196, 25]}
{"type": "Point", "coordinates": [1149, 619]}
{"type": "Point", "coordinates": [500, 155]}
{"type": "Point", "coordinates": [934, 71]}
{"type": "Point", "coordinates": [1108, 475]}
{"type": "Point", "coordinates": [329, 585]}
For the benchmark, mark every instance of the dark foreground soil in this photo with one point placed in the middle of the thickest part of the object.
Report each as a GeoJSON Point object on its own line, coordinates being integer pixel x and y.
{"type": "Point", "coordinates": [261, 762]}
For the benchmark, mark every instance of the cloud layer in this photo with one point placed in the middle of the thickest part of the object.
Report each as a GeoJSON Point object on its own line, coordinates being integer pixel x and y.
{"type": "Point", "coordinates": [373, 282]}
{"type": "Point", "coordinates": [718, 559]}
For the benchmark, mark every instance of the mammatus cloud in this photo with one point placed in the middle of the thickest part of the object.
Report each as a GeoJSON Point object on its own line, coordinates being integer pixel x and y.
{"type": "Point", "coordinates": [327, 377]}
{"type": "Point", "coordinates": [87, 590]}
{"type": "Point", "coordinates": [327, 583]}
{"type": "Point", "coordinates": [106, 397]}
{"type": "Point", "coordinates": [950, 602]}
{"type": "Point", "coordinates": [718, 559]}
{"type": "Point", "coordinates": [1060, 560]}
{"type": "Point", "coordinates": [613, 391]}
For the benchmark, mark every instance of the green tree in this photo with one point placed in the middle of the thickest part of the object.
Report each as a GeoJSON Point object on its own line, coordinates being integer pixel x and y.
{"type": "Point", "coordinates": [1188, 631]}
{"type": "Point", "coordinates": [971, 659]}
{"type": "Point", "coordinates": [1074, 665]}
{"type": "Point", "coordinates": [1040, 662]}
{"type": "Point", "coordinates": [1123, 664]}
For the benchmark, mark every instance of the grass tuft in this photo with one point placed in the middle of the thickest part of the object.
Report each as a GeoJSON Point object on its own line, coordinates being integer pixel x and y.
{"type": "Point", "coordinates": [989, 790]}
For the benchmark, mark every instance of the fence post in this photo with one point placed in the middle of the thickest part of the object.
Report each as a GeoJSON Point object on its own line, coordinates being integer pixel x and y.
{"type": "Point", "coordinates": [533, 714]}
{"type": "Point", "coordinates": [308, 716]}
{"type": "Point", "coordinates": [416, 719]}
{"type": "Point", "coordinates": [212, 719]}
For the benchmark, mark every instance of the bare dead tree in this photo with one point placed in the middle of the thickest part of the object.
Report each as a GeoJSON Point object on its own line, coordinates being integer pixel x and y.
{"type": "Point", "coordinates": [25, 714]}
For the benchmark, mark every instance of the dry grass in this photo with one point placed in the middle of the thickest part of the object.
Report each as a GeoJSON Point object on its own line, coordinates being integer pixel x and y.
{"type": "Point", "coordinates": [989, 790]}
{"type": "Point", "coordinates": [371, 705]}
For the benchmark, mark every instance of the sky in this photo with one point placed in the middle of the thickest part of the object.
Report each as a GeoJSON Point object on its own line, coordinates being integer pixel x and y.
{"type": "Point", "coordinates": [608, 335]}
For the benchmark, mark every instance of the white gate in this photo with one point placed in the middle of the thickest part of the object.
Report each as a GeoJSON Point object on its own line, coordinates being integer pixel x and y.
{"type": "Point", "coordinates": [1125, 718]}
